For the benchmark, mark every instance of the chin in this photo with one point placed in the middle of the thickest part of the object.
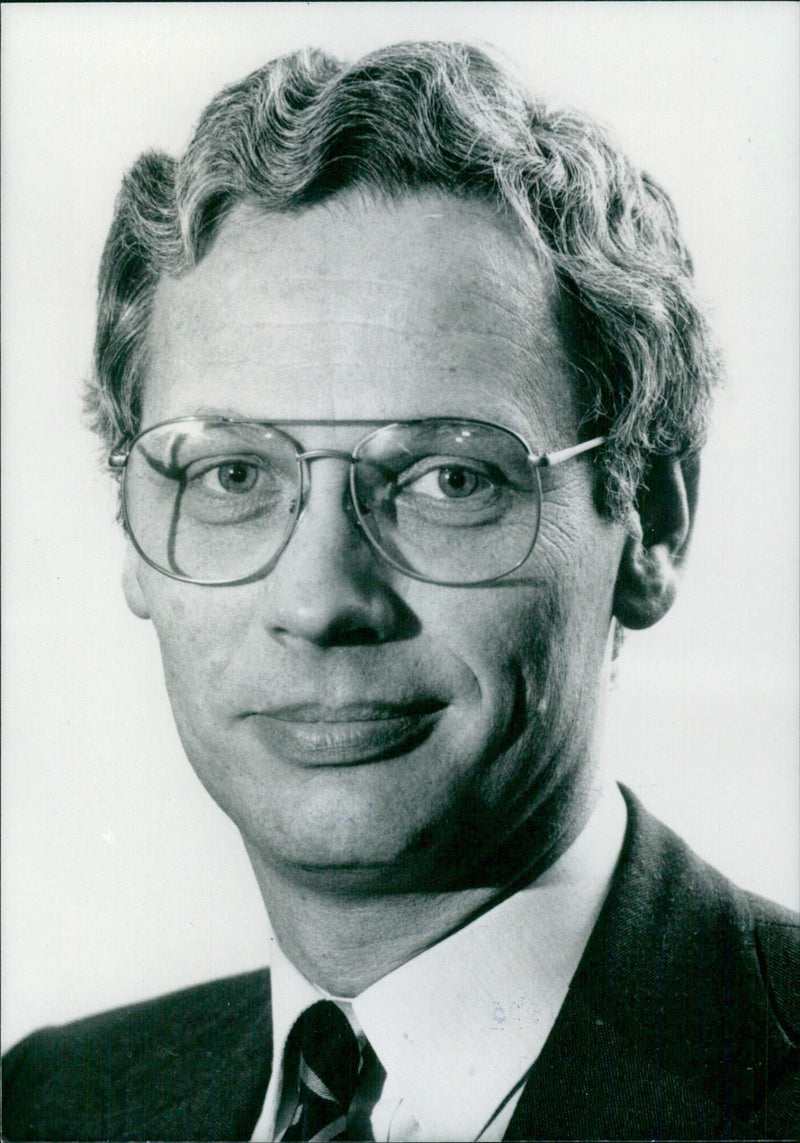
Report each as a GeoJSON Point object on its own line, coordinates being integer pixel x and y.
{"type": "Point", "coordinates": [353, 863]}
{"type": "Point", "coordinates": [351, 840]}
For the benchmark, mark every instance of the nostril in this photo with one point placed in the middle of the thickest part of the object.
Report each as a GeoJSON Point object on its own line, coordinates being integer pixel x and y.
{"type": "Point", "coordinates": [384, 617]}
{"type": "Point", "coordinates": [342, 634]}
{"type": "Point", "coordinates": [354, 636]}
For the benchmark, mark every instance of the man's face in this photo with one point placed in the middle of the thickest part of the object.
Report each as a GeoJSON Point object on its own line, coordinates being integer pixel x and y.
{"type": "Point", "coordinates": [293, 694]}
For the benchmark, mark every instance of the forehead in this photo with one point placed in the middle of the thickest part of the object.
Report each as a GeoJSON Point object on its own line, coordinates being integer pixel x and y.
{"type": "Point", "coordinates": [357, 309]}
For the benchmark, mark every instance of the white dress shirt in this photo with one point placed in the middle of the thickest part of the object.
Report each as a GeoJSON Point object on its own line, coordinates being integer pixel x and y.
{"type": "Point", "coordinates": [458, 1027]}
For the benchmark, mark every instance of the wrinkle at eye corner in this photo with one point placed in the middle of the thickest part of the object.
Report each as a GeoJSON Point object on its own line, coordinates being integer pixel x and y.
{"type": "Point", "coordinates": [557, 536]}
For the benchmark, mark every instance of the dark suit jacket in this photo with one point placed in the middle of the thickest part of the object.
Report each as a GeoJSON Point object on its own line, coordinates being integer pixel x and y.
{"type": "Point", "coordinates": [682, 1022]}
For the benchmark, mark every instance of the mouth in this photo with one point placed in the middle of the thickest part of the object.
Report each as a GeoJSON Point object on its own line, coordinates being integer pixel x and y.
{"type": "Point", "coordinates": [313, 734]}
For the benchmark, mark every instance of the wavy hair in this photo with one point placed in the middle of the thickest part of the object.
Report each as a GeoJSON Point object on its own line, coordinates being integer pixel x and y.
{"type": "Point", "coordinates": [413, 116]}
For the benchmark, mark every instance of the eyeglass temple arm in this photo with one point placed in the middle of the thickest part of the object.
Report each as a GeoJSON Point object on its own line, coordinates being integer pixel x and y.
{"type": "Point", "coordinates": [119, 458]}
{"type": "Point", "coordinates": [551, 458]}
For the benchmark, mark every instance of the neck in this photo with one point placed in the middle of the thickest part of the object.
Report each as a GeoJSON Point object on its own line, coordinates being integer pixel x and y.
{"type": "Point", "coordinates": [343, 937]}
{"type": "Point", "coordinates": [344, 943]}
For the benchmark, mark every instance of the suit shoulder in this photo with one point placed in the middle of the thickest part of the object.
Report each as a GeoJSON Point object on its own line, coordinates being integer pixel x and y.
{"type": "Point", "coordinates": [167, 1018]}
{"type": "Point", "coordinates": [661, 858]}
{"type": "Point", "coordinates": [74, 1075]}
{"type": "Point", "coordinates": [763, 927]}
{"type": "Point", "coordinates": [705, 906]}
{"type": "Point", "coordinates": [687, 993]}
{"type": "Point", "coordinates": [777, 937]}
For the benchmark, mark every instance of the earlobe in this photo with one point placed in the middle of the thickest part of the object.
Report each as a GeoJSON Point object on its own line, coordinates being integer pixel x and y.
{"type": "Point", "coordinates": [652, 559]}
{"type": "Point", "coordinates": [134, 595]}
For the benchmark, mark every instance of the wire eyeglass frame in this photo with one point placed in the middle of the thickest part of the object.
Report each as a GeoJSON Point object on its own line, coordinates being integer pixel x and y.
{"type": "Point", "coordinates": [120, 455]}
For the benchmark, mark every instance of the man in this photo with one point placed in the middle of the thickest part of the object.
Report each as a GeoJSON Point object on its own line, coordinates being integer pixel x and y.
{"type": "Point", "coordinates": [405, 384]}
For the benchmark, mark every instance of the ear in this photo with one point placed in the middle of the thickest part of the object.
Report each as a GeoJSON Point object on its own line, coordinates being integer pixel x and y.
{"type": "Point", "coordinates": [131, 586]}
{"type": "Point", "coordinates": [659, 531]}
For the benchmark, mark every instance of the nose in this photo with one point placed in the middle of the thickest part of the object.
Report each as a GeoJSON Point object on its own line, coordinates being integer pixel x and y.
{"type": "Point", "coordinates": [330, 587]}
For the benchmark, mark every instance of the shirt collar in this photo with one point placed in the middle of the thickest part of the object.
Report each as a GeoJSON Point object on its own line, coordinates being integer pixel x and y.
{"type": "Point", "coordinates": [457, 1027]}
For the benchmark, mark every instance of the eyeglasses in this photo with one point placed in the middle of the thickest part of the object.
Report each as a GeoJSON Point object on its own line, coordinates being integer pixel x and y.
{"type": "Point", "coordinates": [452, 501]}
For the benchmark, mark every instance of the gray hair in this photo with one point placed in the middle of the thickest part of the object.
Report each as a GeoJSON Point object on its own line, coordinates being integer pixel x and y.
{"type": "Point", "coordinates": [432, 115]}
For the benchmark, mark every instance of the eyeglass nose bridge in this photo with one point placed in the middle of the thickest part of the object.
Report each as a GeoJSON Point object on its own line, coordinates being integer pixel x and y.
{"type": "Point", "coordinates": [330, 453]}
{"type": "Point", "coordinates": [303, 459]}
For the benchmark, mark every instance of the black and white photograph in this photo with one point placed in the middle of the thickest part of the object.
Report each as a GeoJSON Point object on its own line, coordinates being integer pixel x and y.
{"type": "Point", "coordinates": [401, 481]}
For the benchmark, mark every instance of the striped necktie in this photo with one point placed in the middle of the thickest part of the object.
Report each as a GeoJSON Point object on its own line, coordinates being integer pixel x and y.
{"type": "Point", "coordinates": [328, 1066]}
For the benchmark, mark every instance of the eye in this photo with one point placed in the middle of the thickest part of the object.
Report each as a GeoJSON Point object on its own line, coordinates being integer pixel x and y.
{"type": "Point", "coordinates": [447, 482]}
{"type": "Point", "coordinates": [236, 476]}
{"type": "Point", "coordinates": [234, 490]}
{"type": "Point", "coordinates": [222, 477]}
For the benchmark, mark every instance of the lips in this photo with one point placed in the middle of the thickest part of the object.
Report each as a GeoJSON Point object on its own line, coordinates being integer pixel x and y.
{"type": "Point", "coordinates": [314, 734]}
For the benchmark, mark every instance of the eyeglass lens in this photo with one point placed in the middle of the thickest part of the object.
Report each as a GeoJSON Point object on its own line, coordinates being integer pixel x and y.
{"type": "Point", "coordinates": [453, 502]}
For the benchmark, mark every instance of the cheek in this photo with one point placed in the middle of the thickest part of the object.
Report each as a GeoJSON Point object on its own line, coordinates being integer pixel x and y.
{"type": "Point", "coordinates": [537, 649]}
{"type": "Point", "coordinates": [510, 643]}
{"type": "Point", "coordinates": [521, 628]}
{"type": "Point", "coordinates": [199, 634]}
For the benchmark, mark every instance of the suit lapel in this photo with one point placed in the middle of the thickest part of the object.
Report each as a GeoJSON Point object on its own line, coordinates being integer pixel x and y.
{"type": "Point", "coordinates": [666, 1028]}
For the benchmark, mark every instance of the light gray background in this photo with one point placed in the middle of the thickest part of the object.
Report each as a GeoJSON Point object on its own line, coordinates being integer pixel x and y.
{"type": "Point", "coordinates": [120, 878]}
